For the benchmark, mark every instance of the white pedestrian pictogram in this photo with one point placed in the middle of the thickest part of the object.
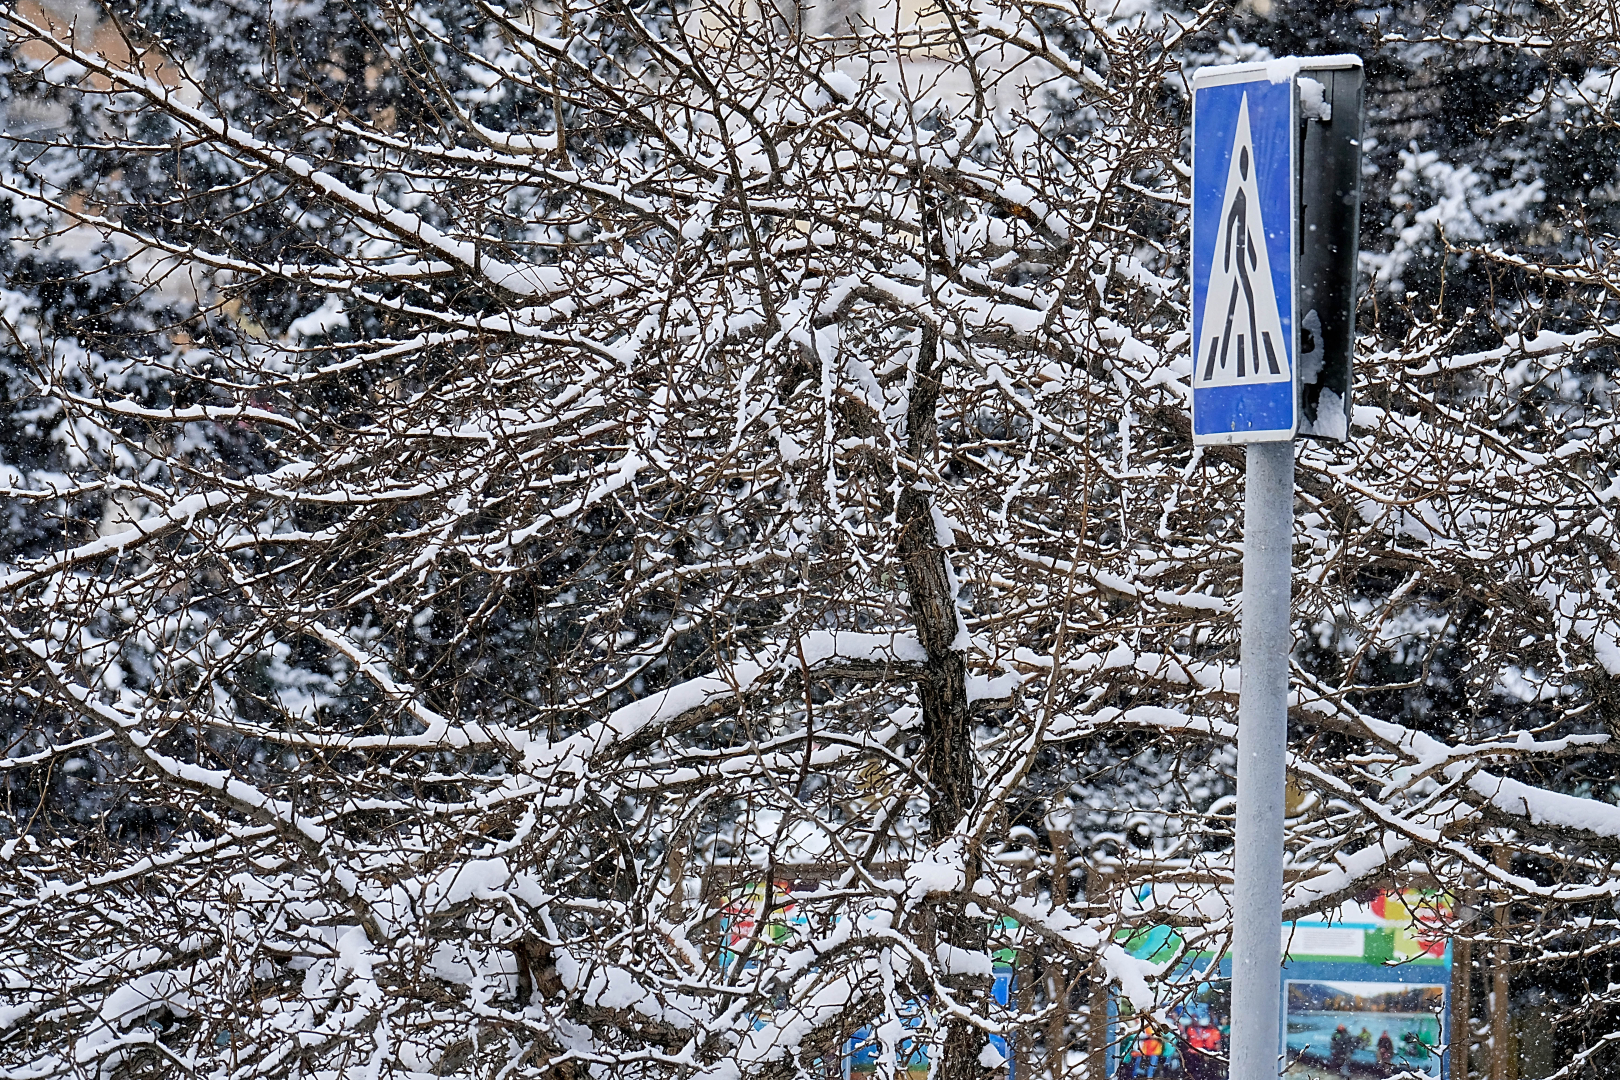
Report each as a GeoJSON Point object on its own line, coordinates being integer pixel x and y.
{"type": "Point", "coordinates": [1240, 340]}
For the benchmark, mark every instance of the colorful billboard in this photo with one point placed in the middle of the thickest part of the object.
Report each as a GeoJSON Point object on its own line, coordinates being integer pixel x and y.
{"type": "Point", "coordinates": [1364, 997]}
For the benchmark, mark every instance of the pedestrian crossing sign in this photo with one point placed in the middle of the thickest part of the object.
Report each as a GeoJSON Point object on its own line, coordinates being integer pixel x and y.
{"type": "Point", "coordinates": [1245, 385]}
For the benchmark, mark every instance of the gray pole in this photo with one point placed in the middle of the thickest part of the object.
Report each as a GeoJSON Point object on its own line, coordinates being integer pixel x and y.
{"type": "Point", "coordinates": [1268, 526]}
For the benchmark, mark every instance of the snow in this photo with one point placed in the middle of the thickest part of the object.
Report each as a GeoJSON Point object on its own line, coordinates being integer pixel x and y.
{"type": "Point", "coordinates": [940, 870]}
{"type": "Point", "coordinates": [1282, 69]}
{"type": "Point", "coordinates": [955, 961]}
{"type": "Point", "coordinates": [526, 589]}
{"type": "Point", "coordinates": [1132, 975]}
{"type": "Point", "coordinates": [987, 688]}
{"type": "Point", "coordinates": [1310, 362]}
{"type": "Point", "coordinates": [1606, 646]}
{"type": "Point", "coordinates": [1313, 103]}
{"type": "Point", "coordinates": [1332, 420]}
{"type": "Point", "coordinates": [182, 514]}
{"type": "Point", "coordinates": [817, 647]}
{"type": "Point", "coordinates": [322, 321]}
{"type": "Point", "coordinates": [1541, 807]}
{"type": "Point", "coordinates": [842, 84]}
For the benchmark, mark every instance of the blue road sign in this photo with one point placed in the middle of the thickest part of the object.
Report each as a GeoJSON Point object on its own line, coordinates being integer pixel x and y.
{"type": "Point", "coordinates": [1244, 208]}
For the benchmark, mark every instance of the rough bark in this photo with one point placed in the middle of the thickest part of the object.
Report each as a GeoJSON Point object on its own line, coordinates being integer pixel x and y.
{"type": "Point", "coordinates": [948, 751]}
{"type": "Point", "coordinates": [947, 735]}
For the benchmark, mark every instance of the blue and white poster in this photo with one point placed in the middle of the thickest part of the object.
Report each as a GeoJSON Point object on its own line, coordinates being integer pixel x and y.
{"type": "Point", "coordinates": [1243, 220]}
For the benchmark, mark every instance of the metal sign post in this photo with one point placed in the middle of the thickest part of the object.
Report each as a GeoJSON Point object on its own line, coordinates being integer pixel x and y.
{"type": "Point", "coordinates": [1272, 236]}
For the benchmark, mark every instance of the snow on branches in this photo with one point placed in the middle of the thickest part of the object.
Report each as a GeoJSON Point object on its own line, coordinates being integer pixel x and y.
{"type": "Point", "coordinates": [544, 490]}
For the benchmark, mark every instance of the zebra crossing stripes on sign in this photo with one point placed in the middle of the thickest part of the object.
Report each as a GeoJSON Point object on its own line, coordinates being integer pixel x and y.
{"type": "Point", "coordinates": [1243, 377]}
{"type": "Point", "coordinates": [1242, 334]}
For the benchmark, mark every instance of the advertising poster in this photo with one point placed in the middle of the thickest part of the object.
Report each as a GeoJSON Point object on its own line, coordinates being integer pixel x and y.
{"type": "Point", "coordinates": [1337, 1029]}
{"type": "Point", "coordinates": [1363, 997]}
{"type": "Point", "coordinates": [741, 935]}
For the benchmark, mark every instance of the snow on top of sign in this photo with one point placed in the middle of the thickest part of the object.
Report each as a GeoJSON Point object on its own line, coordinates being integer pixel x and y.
{"type": "Point", "coordinates": [1283, 68]}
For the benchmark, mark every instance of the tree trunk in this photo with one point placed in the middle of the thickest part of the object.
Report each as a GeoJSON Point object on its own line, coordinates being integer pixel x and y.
{"type": "Point", "coordinates": [948, 749]}
{"type": "Point", "coordinates": [1501, 1039]}
{"type": "Point", "coordinates": [947, 755]}
{"type": "Point", "coordinates": [1462, 1025]}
